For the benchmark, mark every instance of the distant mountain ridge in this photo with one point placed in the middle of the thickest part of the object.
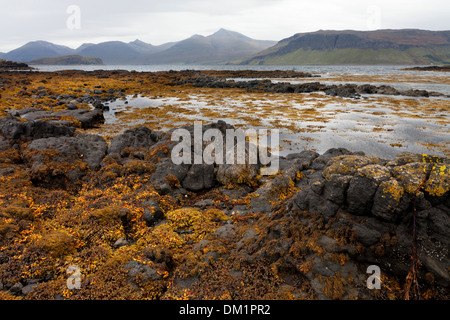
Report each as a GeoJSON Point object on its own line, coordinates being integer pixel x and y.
{"type": "Point", "coordinates": [37, 49]}
{"type": "Point", "coordinates": [401, 47]}
{"type": "Point", "coordinates": [222, 46]}
{"type": "Point", "coordinates": [406, 46]}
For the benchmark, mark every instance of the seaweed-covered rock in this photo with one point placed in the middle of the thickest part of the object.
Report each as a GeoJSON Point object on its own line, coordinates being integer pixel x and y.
{"type": "Point", "coordinates": [169, 174]}
{"type": "Point", "coordinates": [237, 173]}
{"type": "Point", "coordinates": [65, 157]}
{"type": "Point", "coordinates": [15, 128]}
{"type": "Point", "coordinates": [140, 137]}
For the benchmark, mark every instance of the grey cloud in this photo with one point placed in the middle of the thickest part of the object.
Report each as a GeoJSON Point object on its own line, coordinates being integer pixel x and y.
{"type": "Point", "coordinates": [157, 21]}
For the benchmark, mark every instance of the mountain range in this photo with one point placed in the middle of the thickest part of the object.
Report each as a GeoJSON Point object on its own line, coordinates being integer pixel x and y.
{"type": "Point", "coordinates": [224, 45]}
{"type": "Point", "coordinates": [404, 47]}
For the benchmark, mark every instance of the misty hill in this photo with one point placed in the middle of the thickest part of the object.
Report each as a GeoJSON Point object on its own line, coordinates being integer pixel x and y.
{"type": "Point", "coordinates": [407, 46]}
{"type": "Point", "coordinates": [37, 49]}
{"type": "Point", "coordinates": [111, 52]}
{"type": "Point", "coordinates": [68, 60]}
{"type": "Point", "coordinates": [219, 47]}
{"type": "Point", "coordinates": [2, 55]}
{"type": "Point", "coordinates": [118, 52]}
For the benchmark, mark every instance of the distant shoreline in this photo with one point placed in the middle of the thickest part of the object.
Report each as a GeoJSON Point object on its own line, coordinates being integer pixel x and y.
{"type": "Point", "coordinates": [430, 68]}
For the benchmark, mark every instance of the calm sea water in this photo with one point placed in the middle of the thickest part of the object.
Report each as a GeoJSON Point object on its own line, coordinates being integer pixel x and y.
{"type": "Point", "coordinates": [332, 69]}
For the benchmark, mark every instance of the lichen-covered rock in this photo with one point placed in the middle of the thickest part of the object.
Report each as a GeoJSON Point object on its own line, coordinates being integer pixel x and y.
{"type": "Point", "coordinates": [386, 200]}
{"type": "Point", "coordinates": [375, 172]}
{"type": "Point", "coordinates": [410, 176]}
{"type": "Point", "coordinates": [405, 158]}
{"type": "Point", "coordinates": [348, 164]}
{"type": "Point", "coordinates": [438, 183]}
{"type": "Point", "coordinates": [321, 161]}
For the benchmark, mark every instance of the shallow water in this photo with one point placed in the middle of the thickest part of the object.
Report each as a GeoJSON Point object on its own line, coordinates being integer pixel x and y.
{"type": "Point", "coordinates": [358, 125]}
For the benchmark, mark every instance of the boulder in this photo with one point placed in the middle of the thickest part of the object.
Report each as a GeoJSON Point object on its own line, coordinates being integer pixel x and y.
{"type": "Point", "coordinates": [15, 128]}
{"type": "Point", "coordinates": [92, 148]}
{"type": "Point", "coordinates": [152, 212]}
{"type": "Point", "coordinates": [168, 173]}
{"type": "Point", "coordinates": [141, 137]}
{"type": "Point", "coordinates": [309, 200]}
{"type": "Point", "coordinates": [367, 236]}
{"type": "Point", "coordinates": [335, 188]}
{"type": "Point", "coordinates": [387, 199]}
{"type": "Point", "coordinates": [199, 177]}
{"type": "Point", "coordinates": [236, 173]}
{"type": "Point", "coordinates": [360, 194]}
{"type": "Point", "coordinates": [142, 271]}
{"type": "Point", "coordinates": [64, 158]}
{"type": "Point", "coordinates": [320, 161]}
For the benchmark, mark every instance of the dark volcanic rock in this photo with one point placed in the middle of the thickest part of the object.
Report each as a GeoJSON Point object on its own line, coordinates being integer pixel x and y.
{"type": "Point", "coordinates": [343, 90]}
{"type": "Point", "coordinates": [347, 91]}
{"type": "Point", "coordinates": [166, 171]}
{"type": "Point", "coordinates": [91, 148]}
{"type": "Point", "coordinates": [152, 212]}
{"type": "Point", "coordinates": [320, 161]}
{"type": "Point", "coordinates": [88, 118]}
{"type": "Point", "coordinates": [56, 161]}
{"type": "Point", "coordinates": [14, 128]}
{"type": "Point", "coordinates": [360, 194]}
{"type": "Point", "coordinates": [141, 137]}
{"type": "Point", "coordinates": [199, 177]}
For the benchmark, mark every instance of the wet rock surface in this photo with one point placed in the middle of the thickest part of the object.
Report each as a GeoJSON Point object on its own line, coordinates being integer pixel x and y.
{"type": "Point", "coordinates": [309, 232]}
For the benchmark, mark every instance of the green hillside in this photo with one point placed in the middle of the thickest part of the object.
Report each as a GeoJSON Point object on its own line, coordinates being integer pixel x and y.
{"type": "Point", "coordinates": [400, 47]}
{"type": "Point", "coordinates": [436, 55]}
{"type": "Point", "coordinates": [68, 60]}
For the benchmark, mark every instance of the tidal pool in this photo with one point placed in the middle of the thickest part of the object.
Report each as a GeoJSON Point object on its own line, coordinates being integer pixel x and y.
{"type": "Point", "coordinates": [377, 125]}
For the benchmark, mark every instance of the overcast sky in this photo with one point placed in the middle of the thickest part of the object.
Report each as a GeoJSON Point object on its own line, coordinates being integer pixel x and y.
{"type": "Point", "coordinates": [75, 22]}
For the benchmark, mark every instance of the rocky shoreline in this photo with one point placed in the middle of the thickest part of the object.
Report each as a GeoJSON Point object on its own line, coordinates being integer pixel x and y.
{"type": "Point", "coordinates": [6, 65]}
{"type": "Point", "coordinates": [430, 68]}
{"type": "Point", "coordinates": [342, 90]}
{"type": "Point", "coordinates": [164, 231]}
